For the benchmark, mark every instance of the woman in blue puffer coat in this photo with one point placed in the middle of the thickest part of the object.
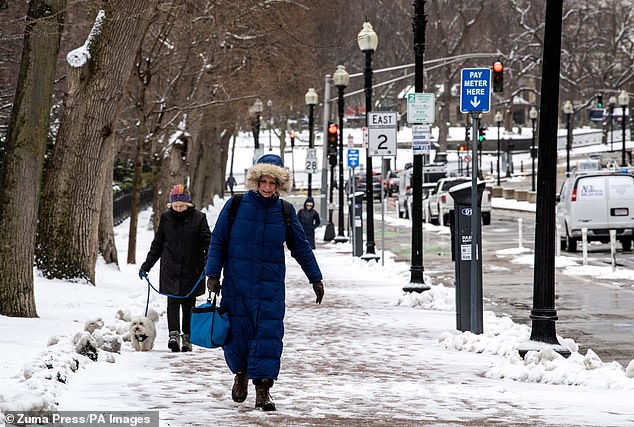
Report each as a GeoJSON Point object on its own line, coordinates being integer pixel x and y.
{"type": "Point", "coordinates": [251, 253]}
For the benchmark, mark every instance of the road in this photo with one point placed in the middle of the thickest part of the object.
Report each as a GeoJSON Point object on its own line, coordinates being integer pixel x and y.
{"type": "Point", "coordinates": [596, 313]}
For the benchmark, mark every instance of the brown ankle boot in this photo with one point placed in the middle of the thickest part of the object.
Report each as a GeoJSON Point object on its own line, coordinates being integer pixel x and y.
{"type": "Point", "coordinates": [240, 388]}
{"type": "Point", "coordinates": [262, 397]}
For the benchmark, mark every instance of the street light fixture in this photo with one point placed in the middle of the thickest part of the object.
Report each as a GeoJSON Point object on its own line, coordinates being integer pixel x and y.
{"type": "Point", "coordinates": [612, 103]}
{"type": "Point", "coordinates": [368, 41]}
{"type": "Point", "coordinates": [341, 79]}
{"type": "Point", "coordinates": [498, 120]}
{"type": "Point", "coordinates": [533, 116]}
{"type": "Point", "coordinates": [624, 100]}
{"type": "Point", "coordinates": [258, 107]}
{"type": "Point", "coordinates": [568, 111]}
{"type": "Point", "coordinates": [311, 100]}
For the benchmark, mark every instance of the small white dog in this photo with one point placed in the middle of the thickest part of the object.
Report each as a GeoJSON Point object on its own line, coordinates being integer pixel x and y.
{"type": "Point", "coordinates": [142, 333]}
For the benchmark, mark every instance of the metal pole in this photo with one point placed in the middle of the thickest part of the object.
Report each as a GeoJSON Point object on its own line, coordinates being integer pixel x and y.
{"type": "Point", "coordinates": [611, 128]}
{"type": "Point", "coordinates": [476, 277]}
{"type": "Point", "coordinates": [543, 314]}
{"type": "Point", "coordinates": [498, 153]}
{"type": "Point", "coordinates": [623, 126]}
{"type": "Point", "coordinates": [533, 156]}
{"type": "Point", "coordinates": [417, 270]}
{"type": "Point", "coordinates": [311, 144]}
{"type": "Point", "coordinates": [324, 162]}
{"type": "Point", "coordinates": [568, 145]}
{"type": "Point", "coordinates": [340, 236]}
{"type": "Point", "coordinates": [369, 196]}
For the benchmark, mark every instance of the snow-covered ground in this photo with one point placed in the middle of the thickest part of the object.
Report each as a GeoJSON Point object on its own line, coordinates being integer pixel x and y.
{"type": "Point", "coordinates": [369, 354]}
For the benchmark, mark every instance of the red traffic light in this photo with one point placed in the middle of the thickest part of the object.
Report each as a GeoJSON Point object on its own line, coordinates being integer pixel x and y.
{"type": "Point", "coordinates": [332, 129]}
{"type": "Point", "coordinates": [292, 134]}
{"type": "Point", "coordinates": [498, 67]}
{"type": "Point", "coordinates": [463, 148]}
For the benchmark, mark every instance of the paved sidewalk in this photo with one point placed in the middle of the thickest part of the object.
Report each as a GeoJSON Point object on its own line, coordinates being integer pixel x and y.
{"type": "Point", "coordinates": [359, 359]}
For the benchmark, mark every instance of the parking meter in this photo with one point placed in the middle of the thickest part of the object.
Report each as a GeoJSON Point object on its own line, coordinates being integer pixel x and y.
{"type": "Point", "coordinates": [468, 285]}
{"type": "Point", "coordinates": [356, 222]}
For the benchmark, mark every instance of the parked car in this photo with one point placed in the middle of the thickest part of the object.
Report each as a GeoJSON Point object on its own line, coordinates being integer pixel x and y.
{"type": "Point", "coordinates": [360, 181]}
{"type": "Point", "coordinates": [599, 202]}
{"type": "Point", "coordinates": [440, 202]}
{"type": "Point", "coordinates": [391, 182]}
{"type": "Point", "coordinates": [404, 197]}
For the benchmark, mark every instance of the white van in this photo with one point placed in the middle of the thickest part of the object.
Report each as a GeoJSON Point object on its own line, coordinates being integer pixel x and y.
{"type": "Point", "coordinates": [599, 202]}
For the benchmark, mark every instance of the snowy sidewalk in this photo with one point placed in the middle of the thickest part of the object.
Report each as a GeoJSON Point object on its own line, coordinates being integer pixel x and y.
{"type": "Point", "coordinates": [367, 356]}
{"type": "Point", "coordinates": [358, 359]}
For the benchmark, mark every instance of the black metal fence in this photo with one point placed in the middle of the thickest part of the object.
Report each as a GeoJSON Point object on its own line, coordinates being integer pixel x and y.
{"type": "Point", "coordinates": [122, 204]}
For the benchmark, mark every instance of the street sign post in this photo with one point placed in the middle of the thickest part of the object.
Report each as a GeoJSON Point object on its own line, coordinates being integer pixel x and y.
{"type": "Point", "coordinates": [353, 158]}
{"type": "Point", "coordinates": [475, 90]}
{"type": "Point", "coordinates": [421, 108]}
{"type": "Point", "coordinates": [382, 134]}
{"type": "Point", "coordinates": [421, 139]}
{"type": "Point", "coordinates": [311, 161]}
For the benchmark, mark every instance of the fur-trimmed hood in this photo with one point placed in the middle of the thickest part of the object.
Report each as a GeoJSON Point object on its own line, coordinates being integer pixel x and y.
{"type": "Point", "coordinates": [282, 175]}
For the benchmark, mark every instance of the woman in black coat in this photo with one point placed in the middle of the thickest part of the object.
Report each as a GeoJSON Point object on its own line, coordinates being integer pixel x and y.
{"type": "Point", "coordinates": [309, 218]}
{"type": "Point", "coordinates": [181, 242]}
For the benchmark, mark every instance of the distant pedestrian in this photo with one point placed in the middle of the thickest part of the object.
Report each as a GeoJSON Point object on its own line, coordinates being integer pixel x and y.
{"type": "Point", "coordinates": [181, 242]}
{"type": "Point", "coordinates": [309, 219]}
{"type": "Point", "coordinates": [231, 181]}
{"type": "Point", "coordinates": [249, 252]}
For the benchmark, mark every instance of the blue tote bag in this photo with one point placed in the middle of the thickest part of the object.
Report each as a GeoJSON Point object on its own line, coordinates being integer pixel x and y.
{"type": "Point", "coordinates": [209, 325]}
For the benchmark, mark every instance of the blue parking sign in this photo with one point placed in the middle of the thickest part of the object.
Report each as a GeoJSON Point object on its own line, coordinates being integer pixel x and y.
{"type": "Point", "coordinates": [353, 158]}
{"type": "Point", "coordinates": [475, 90]}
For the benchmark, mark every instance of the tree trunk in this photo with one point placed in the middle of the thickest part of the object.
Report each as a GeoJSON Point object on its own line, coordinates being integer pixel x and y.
{"type": "Point", "coordinates": [71, 202]}
{"type": "Point", "coordinates": [24, 156]}
{"type": "Point", "coordinates": [136, 196]}
{"type": "Point", "coordinates": [107, 246]}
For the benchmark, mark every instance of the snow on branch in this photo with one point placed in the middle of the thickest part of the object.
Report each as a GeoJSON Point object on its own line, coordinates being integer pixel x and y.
{"type": "Point", "coordinates": [78, 57]}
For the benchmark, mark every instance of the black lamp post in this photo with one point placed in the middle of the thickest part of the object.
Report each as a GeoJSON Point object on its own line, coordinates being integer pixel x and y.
{"type": "Point", "coordinates": [624, 100]}
{"type": "Point", "coordinates": [257, 109]}
{"type": "Point", "coordinates": [311, 101]}
{"type": "Point", "coordinates": [368, 41]}
{"type": "Point", "coordinates": [612, 103]}
{"type": "Point", "coordinates": [341, 79]}
{"type": "Point", "coordinates": [269, 104]}
{"type": "Point", "coordinates": [533, 116]}
{"type": "Point", "coordinates": [568, 110]}
{"type": "Point", "coordinates": [498, 121]}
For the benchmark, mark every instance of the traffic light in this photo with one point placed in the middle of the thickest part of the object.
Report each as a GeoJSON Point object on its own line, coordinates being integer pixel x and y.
{"type": "Point", "coordinates": [292, 139]}
{"type": "Point", "coordinates": [498, 77]}
{"type": "Point", "coordinates": [467, 134]}
{"type": "Point", "coordinates": [482, 134]}
{"type": "Point", "coordinates": [332, 143]}
{"type": "Point", "coordinates": [463, 147]}
{"type": "Point", "coordinates": [599, 101]}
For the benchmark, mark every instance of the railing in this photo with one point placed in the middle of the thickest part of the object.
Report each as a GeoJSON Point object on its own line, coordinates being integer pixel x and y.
{"type": "Point", "coordinates": [122, 204]}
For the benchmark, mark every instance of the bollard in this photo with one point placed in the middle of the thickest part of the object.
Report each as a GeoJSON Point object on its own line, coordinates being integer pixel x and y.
{"type": "Point", "coordinates": [584, 245]}
{"type": "Point", "coordinates": [613, 249]}
{"type": "Point", "coordinates": [519, 233]}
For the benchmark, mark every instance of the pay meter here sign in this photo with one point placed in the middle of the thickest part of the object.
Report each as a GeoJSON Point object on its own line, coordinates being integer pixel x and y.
{"type": "Point", "coordinates": [475, 90]}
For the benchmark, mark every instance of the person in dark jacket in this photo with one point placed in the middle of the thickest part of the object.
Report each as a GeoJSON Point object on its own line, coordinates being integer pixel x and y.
{"type": "Point", "coordinates": [181, 242]}
{"type": "Point", "coordinates": [250, 254]}
{"type": "Point", "coordinates": [309, 219]}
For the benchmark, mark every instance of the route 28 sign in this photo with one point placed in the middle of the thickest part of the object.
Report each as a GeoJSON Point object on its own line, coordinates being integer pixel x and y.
{"type": "Point", "coordinates": [382, 133]}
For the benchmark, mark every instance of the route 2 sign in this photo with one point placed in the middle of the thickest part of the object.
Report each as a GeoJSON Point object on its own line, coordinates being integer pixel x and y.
{"type": "Point", "coordinates": [475, 90]}
{"type": "Point", "coordinates": [382, 134]}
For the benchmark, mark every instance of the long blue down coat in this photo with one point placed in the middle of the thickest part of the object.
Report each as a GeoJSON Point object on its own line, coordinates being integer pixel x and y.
{"type": "Point", "coordinates": [253, 289]}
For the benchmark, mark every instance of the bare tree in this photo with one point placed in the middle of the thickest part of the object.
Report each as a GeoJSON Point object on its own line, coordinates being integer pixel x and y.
{"type": "Point", "coordinates": [68, 232]}
{"type": "Point", "coordinates": [24, 156]}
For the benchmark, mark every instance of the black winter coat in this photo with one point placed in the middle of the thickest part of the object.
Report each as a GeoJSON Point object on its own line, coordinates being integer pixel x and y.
{"type": "Point", "coordinates": [181, 241]}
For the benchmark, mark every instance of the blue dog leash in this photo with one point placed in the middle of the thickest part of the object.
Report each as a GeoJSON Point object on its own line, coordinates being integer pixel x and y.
{"type": "Point", "coordinates": [150, 286]}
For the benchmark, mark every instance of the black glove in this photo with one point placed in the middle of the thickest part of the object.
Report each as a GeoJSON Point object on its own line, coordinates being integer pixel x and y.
{"type": "Point", "coordinates": [213, 285]}
{"type": "Point", "coordinates": [318, 287]}
{"type": "Point", "coordinates": [142, 274]}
